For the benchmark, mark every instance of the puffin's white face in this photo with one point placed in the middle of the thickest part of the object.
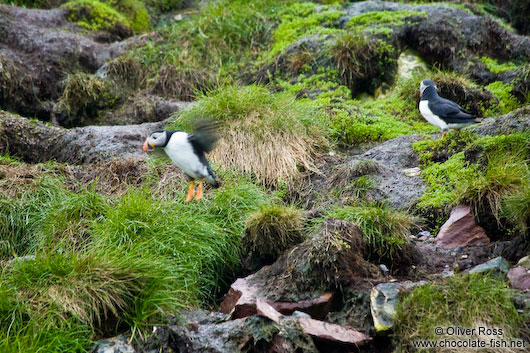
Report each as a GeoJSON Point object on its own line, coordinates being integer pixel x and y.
{"type": "Point", "coordinates": [424, 84]}
{"type": "Point", "coordinates": [157, 138]}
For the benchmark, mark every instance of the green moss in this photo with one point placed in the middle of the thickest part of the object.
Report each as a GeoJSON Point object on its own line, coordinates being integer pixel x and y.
{"type": "Point", "coordinates": [302, 20]}
{"type": "Point", "coordinates": [439, 150]}
{"type": "Point", "coordinates": [496, 68]}
{"type": "Point", "coordinates": [381, 21]}
{"type": "Point", "coordinates": [507, 102]}
{"type": "Point", "coordinates": [134, 11]}
{"type": "Point", "coordinates": [466, 301]}
{"type": "Point", "coordinates": [95, 15]}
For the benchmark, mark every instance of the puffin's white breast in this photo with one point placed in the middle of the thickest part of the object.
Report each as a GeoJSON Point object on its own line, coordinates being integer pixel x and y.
{"type": "Point", "coordinates": [180, 151]}
{"type": "Point", "coordinates": [430, 116]}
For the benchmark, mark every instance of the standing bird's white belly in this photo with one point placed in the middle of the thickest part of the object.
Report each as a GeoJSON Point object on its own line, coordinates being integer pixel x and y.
{"type": "Point", "coordinates": [180, 151]}
{"type": "Point", "coordinates": [430, 117]}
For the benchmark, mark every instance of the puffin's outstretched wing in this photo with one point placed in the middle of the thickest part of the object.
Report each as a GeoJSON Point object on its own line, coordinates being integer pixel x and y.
{"type": "Point", "coordinates": [204, 136]}
{"type": "Point", "coordinates": [450, 112]}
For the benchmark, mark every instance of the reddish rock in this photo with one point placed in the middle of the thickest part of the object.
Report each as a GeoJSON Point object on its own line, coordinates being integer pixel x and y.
{"type": "Point", "coordinates": [461, 230]}
{"type": "Point", "coordinates": [519, 278]}
{"type": "Point", "coordinates": [241, 298]}
{"type": "Point", "coordinates": [331, 332]}
{"type": "Point", "coordinates": [265, 309]}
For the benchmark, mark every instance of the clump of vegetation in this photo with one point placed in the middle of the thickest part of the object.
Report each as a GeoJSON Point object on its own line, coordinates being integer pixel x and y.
{"type": "Point", "coordinates": [363, 63]}
{"type": "Point", "coordinates": [83, 97]}
{"type": "Point", "coordinates": [184, 83]}
{"type": "Point", "coordinates": [96, 16]}
{"type": "Point", "coordinates": [332, 257]}
{"type": "Point", "coordinates": [496, 68]}
{"type": "Point", "coordinates": [439, 150]}
{"type": "Point", "coordinates": [267, 135]}
{"type": "Point", "coordinates": [475, 300]}
{"type": "Point", "coordinates": [385, 231]}
{"type": "Point", "coordinates": [270, 231]}
{"type": "Point", "coordinates": [134, 11]}
{"type": "Point", "coordinates": [125, 72]}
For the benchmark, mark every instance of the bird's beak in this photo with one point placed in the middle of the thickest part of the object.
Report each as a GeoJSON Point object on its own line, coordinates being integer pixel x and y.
{"type": "Point", "coordinates": [146, 147]}
{"type": "Point", "coordinates": [419, 94]}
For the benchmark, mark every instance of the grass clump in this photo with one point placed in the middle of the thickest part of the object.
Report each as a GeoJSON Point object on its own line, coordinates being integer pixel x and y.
{"type": "Point", "coordinates": [83, 97]}
{"type": "Point", "coordinates": [266, 135]}
{"type": "Point", "coordinates": [96, 16]}
{"type": "Point", "coordinates": [385, 231]}
{"type": "Point", "coordinates": [270, 231]}
{"type": "Point", "coordinates": [364, 63]}
{"type": "Point", "coordinates": [467, 301]}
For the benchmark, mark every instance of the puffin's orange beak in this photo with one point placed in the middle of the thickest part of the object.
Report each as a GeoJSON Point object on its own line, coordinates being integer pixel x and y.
{"type": "Point", "coordinates": [145, 147]}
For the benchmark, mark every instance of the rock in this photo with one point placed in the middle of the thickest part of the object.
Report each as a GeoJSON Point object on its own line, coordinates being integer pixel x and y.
{"type": "Point", "coordinates": [118, 344]}
{"type": "Point", "coordinates": [498, 266]}
{"type": "Point", "coordinates": [36, 142]}
{"type": "Point", "coordinates": [383, 301]}
{"type": "Point", "coordinates": [412, 172]}
{"type": "Point", "coordinates": [516, 121]}
{"type": "Point", "coordinates": [264, 309]}
{"type": "Point", "coordinates": [332, 332]}
{"type": "Point", "coordinates": [384, 270]}
{"type": "Point", "coordinates": [524, 262]}
{"type": "Point", "coordinates": [519, 278]}
{"type": "Point", "coordinates": [460, 230]}
{"type": "Point", "coordinates": [240, 299]}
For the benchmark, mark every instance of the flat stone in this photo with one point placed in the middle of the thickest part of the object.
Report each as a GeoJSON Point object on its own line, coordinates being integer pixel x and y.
{"type": "Point", "coordinates": [242, 296]}
{"type": "Point", "coordinates": [332, 332]}
{"type": "Point", "coordinates": [412, 172]}
{"type": "Point", "coordinates": [519, 278]}
{"type": "Point", "coordinates": [241, 299]}
{"type": "Point", "coordinates": [265, 309]}
{"type": "Point", "coordinates": [461, 230]}
{"type": "Point", "coordinates": [497, 266]}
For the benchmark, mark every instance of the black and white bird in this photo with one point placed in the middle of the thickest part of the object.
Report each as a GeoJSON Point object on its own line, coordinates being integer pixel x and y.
{"type": "Point", "coordinates": [442, 112]}
{"type": "Point", "coordinates": [187, 151]}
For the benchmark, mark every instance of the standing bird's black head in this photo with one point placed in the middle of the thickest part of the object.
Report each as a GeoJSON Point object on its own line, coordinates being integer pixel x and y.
{"type": "Point", "coordinates": [425, 84]}
{"type": "Point", "coordinates": [157, 138]}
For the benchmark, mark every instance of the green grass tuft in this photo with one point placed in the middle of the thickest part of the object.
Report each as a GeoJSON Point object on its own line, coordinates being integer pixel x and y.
{"type": "Point", "coordinates": [385, 231]}
{"type": "Point", "coordinates": [507, 102]}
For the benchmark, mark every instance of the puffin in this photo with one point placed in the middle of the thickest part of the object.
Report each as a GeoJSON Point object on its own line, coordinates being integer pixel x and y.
{"type": "Point", "coordinates": [187, 151]}
{"type": "Point", "coordinates": [442, 112]}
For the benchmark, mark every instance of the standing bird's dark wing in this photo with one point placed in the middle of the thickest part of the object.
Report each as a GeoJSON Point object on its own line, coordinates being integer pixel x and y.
{"type": "Point", "coordinates": [450, 112]}
{"type": "Point", "coordinates": [204, 136]}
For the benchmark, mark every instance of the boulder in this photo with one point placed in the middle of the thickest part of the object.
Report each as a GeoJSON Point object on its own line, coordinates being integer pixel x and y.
{"type": "Point", "coordinates": [497, 266]}
{"type": "Point", "coordinates": [383, 302]}
{"type": "Point", "coordinates": [519, 278]}
{"type": "Point", "coordinates": [461, 230]}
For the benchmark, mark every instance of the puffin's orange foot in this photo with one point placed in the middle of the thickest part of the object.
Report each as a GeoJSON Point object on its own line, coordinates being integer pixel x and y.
{"type": "Point", "coordinates": [199, 191]}
{"type": "Point", "coordinates": [190, 191]}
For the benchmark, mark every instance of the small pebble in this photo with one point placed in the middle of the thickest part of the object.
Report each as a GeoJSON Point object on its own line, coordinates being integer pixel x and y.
{"type": "Point", "coordinates": [465, 256]}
